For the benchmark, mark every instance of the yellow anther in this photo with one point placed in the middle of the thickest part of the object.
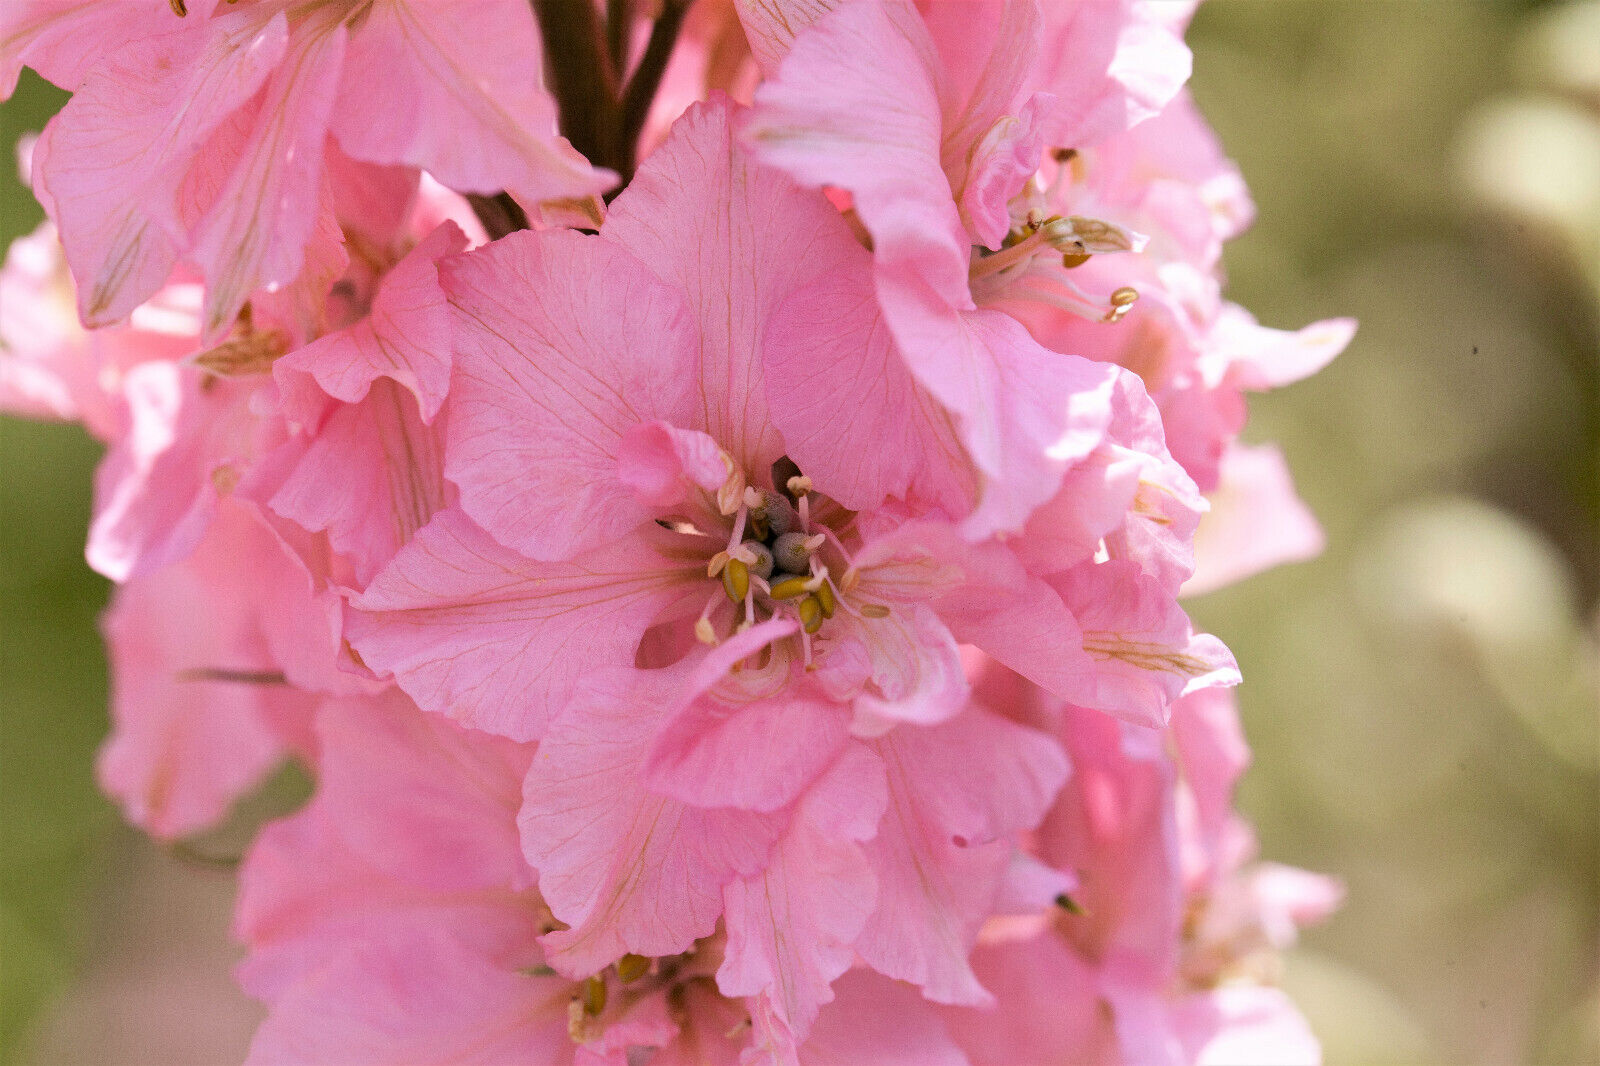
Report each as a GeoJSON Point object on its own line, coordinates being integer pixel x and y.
{"type": "Point", "coordinates": [811, 613]}
{"type": "Point", "coordinates": [594, 995]}
{"type": "Point", "coordinates": [790, 588]}
{"type": "Point", "coordinates": [1124, 296]}
{"type": "Point", "coordinates": [874, 610]}
{"type": "Point", "coordinates": [704, 633]}
{"type": "Point", "coordinates": [632, 967]}
{"type": "Point", "coordinates": [826, 598]}
{"type": "Point", "coordinates": [736, 580]}
{"type": "Point", "coordinates": [179, 8]}
{"type": "Point", "coordinates": [799, 485]}
{"type": "Point", "coordinates": [1075, 259]}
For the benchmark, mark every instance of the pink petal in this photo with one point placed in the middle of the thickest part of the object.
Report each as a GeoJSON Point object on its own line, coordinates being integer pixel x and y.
{"type": "Point", "coordinates": [956, 791]}
{"type": "Point", "coordinates": [372, 477]}
{"type": "Point", "coordinates": [790, 928]}
{"type": "Point", "coordinates": [406, 338]}
{"type": "Point", "coordinates": [1256, 522]}
{"type": "Point", "coordinates": [755, 756]}
{"type": "Point", "coordinates": [109, 165]}
{"type": "Point", "coordinates": [200, 710]}
{"type": "Point", "coordinates": [462, 97]}
{"type": "Point", "coordinates": [472, 630]}
{"type": "Point", "coordinates": [1145, 651]}
{"type": "Point", "coordinates": [420, 798]}
{"type": "Point", "coordinates": [852, 415]}
{"type": "Point", "coordinates": [736, 238]}
{"type": "Point", "coordinates": [254, 233]}
{"type": "Point", "coordinates": [626, 869]}
{"type": "Point", "coordinates": [563, 343]}
{"type": "Point", "coordinates": [664, 465]}
{"type": "Point", "coordinates": [873, 1019]}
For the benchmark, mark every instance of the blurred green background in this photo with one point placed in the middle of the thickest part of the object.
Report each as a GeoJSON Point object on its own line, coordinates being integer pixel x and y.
{"type": "Point", "coordinates": [1422, 699]}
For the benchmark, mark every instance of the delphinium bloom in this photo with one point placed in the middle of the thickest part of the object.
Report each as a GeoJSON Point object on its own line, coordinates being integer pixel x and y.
{"type": "Point", "coordinates": [735, 620]}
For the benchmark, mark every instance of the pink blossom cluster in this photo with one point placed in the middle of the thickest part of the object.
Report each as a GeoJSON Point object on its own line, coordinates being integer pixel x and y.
{"type": "Point", "coordinates": [732, 615]}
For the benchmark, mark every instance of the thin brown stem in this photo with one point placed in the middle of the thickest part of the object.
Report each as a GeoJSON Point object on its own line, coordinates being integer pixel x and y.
{"type": "Point", "coordinates": [641, 88]}
{"type": "Point", "coordinates": [500, 214]}
{"type": "Point", "coordinates": [580, 76]}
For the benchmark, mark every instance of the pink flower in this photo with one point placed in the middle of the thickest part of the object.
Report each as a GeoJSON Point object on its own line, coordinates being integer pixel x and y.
{"type": "Point", "coordinates": [603, 479]}
{"type": "Point", "coordinates": [393, 921]}
{"type": "Point", "coordinates": [213, 660]}
{"type": "Point", "coordinates": [1162, 952]}
{"type": "Point", "coordinates": [202, 139]}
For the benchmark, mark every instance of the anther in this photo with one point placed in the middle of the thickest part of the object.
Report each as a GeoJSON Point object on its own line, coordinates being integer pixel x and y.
{"type": "Point", "coordinates": [632, 967]}
{"type": "Point", "coordinates": [791, 552]}
{"type": "Point", "coordinates": [811, 615]}
{"type": "Point", "coordinates": [874, 610]}
{"type": "Point", "coordinates": [826, 599]}
{"type": "Point", "coordinates": [179, 8]}
{"type": "Point", "coordinates": [798, 486]}
{"type": "Point", "coordinates": [718, 561]}
{"type": "Point", "coordinates": [1121, 300]}
{"type": "Point", "coordinates": [790, 588]}
{"type": "Point", "coordinates": [594, 995]}
{"type": "Point", "coordinates": [704, 633]}
{"type": "Point", "coordinates": [736, 580]}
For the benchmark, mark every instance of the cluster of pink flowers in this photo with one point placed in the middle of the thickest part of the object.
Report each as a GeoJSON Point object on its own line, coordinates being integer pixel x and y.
{"type": "Point", "coordinates": [733, 615]}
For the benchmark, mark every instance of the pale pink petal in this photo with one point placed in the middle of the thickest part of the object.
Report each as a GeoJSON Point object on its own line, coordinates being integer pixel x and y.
{"type": "Point", "coordinates": [790, 928]}
{"type": "Point", "coordinates": [1262, 358]}
{"type": "Point", "coordinates": [63, 40]}
{"type": "Point", "coordinates": [474, 631]}
{"type": "Point", "coordinates": [956, 791]}
{"type": "Point", "coordinates": [875, 1020]}
{"type": "Point", "coordinates": [1145, 651]}
{"type": "Point", "coordinates": [1256, 521]}
{"type": "Point", "coordinates": [199, 704]}
{"type": "Point", "coordinates": [1048, 1008]}
{"type": "Point", "coordinates": [772, 25]}
{"type": "Point", "coordinates": [424, 1000]}
{"type": "Point", "coordinates": [109, 165]}
{"type": "Point", "coordinates": [851, 414]}
{"type": "Point", "coordinates": [1243, 1025]}
{"type": "Point", "coordinates": [1110, 65]}
{"type": "Point", "coordinates": [756, 756]}
{"type": "Point", "coordinates": [385, 765]}
{"type": "Point", "coordinates": [461, 95]}
{"type": "Point", "coordinates": [626, 869]}
{"type": "Point", "coordinates": [563, 343]}
{"type": "Point", "coordinates": [188, 439]}
{"type": "Point", "coordinates": [736, 238]}
{"type": "Point", "coordinates": [372, 477]}
{"type": "Point", "coordinates": [664, 465]}
{"type": "Point", "coordinates": [405, 338]}
{"type": "Point", "coordinates": [254, 234]}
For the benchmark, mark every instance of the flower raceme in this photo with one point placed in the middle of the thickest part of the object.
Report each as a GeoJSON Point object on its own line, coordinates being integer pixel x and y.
{"type": "Point", "coordinates": [735, 621]}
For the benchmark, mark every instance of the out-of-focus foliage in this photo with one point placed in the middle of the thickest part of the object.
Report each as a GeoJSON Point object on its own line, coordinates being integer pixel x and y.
{"type": "Point", "coordinates": [1422, 700]}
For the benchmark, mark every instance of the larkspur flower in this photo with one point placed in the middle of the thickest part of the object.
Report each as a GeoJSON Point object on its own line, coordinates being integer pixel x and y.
{"type": "Point", "coordinates": [746, 631]}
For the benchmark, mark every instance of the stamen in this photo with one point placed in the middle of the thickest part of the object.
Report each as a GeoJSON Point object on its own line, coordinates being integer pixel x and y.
{"type": "Point", "coordinates": [736, 580]}
{"type": "Point", "coordinates": [594, 995]}
{"type": "Point", "coordinates": [826, 599]}
{"type": "Point", "coordinates": [632, 967]}
{"type": "Point", "coordinates": [704, 633]}
{"type": "Point", "coordinates": [798, 486]}
{"type": "Point", "coordinates": [790, 588]}
{"type": "Point", "coordinates": [874, 610]}
{"type": "Point", "coordinates": [811, 615]}
{"type": "Point", "coordinates": [1121, 300]}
